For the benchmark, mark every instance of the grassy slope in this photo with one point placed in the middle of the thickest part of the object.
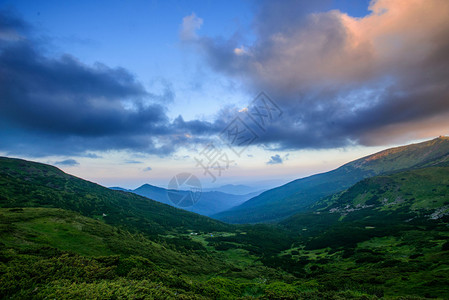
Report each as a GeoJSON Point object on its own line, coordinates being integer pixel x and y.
{"type": "Point", "coordinates": [423, 189]}
{"type": "Point", "coordinates": [41, 257]}
{"type": "Point", "coordinates": [388, 232]}
{"type": "Point", "coordinates": [50, 220]}
{"type": "Point", "coordinates": [31, 228]}
{"type": "Point", "coordinates": [29, 184]}
{"type": "Point", "coordinates": [399, 200]}
{"type": "Point", "coordinates": [279, 203]}
{"type": "Point", "coordinates": [62, 254]}
{"type": "Point", "coordinates": [47, 252]}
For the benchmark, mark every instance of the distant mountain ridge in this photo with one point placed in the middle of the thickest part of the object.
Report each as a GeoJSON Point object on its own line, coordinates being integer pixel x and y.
{"type": "Point", "coordinates": [210, 202]}
{"type": "Point", "coordinates": [278, 203]}
{"type": "Point", "coordinates": [117, 188]}
{"type": "Point", "coordinates": [236, 189]}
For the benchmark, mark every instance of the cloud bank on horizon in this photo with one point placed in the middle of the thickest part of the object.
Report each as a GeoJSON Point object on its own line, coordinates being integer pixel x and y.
{"type": "Point", "coordinates": [340, 81]}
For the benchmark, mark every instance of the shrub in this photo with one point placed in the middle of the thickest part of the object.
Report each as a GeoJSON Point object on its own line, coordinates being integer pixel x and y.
{"type": "Point", "coordinates": [281, 290]}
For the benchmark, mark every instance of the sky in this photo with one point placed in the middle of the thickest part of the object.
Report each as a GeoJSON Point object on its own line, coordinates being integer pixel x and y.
{"type": "Point", "coordinates": [124, 93]}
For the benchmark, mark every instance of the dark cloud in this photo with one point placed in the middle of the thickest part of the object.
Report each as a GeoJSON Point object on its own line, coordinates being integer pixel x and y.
{"type": "Point", "coordinates": [63, 96]}
{"type": "Point", "coordinates": [341, 80]}
{"type": "Point", "coordinates": [147, 169]}
{"type": "Point", "coordinates": [67, 162]}
{"type": "Point", "coordinates": [58, 105]}
{"type": "Point", "coordinates": [12, 27]}
{"type": "Point", "coordinates": [275, 160]}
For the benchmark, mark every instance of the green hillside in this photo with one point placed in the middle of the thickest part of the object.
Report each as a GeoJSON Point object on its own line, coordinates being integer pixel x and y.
{"type": "Point", "coordinates": [279, 203]}
{"type": "Point", "coordinates": [63, 237]}
{"type": "Point", "coordinates": [401, 198]}
{"type": "Point", "coordinates": [33, 228]}
{"type": "Point", "coordinates": [29, 184]}
{"type": "Point", "coordinates": [422, 190]}
{"type": "Point", "coordinates": [392, 230]}
{"type": "Point", "coordinates": [384, 237]}
{"type": "Point", "coordinates": [54, 253]}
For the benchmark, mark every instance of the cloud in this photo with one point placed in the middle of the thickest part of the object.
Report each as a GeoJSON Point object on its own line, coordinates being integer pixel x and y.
{"type": "Point", "coordinates": [275, 160]}
{"type": "Point", "coordinates": [67, 162]}
{"type": "Point", "coordinates": [339, 81]}
{"type": "Point", "coordinates": [342, 80]}
{"type": "Point", "coordinates": [12, 28]}
{"type": "Point", "coordinates": [190, 24]}
{"type": "Point", "coordinates": [57, 105]}
{"type": "Point", "coordinates": [147, 169]}
{"type": "Point", "coordinates": [92, 155]}
{"type": "Point", "coordinates": [133, 162]}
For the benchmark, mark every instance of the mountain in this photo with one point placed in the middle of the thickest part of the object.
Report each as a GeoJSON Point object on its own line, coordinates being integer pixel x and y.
{"type": "Point", "coordinates": [210, 202]}
{"type": "Point", "coordinates": [66, 238]}
{"type": "Point", "coordinates": [281, 202]}
{"type": "Point", "coordinates": [62, 237]}
{"type": "Point", "coordinates": [402, 197]}
{"type": "Point", "coordinates": [390, 230]}
{"type": "Point", "coordinates": [236, 189]}
{"type": "Point", "coordinates": [30, 184]}
{"type": "Point", "coordinates": [423, 191]}
{"type": "Point", "coordinates": [117, 188]}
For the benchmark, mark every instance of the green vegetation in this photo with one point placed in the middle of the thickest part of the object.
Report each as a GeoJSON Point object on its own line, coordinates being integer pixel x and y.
{"type": "Point", "coordinates": [294, 197]}
{"type": "Point", "coordinates": [388, 234]}
{"type": "Point", "coordinates": [52, 251]}
{"type": "Point", "coordinates": [66, 238]}
{"type": "Point", "coordinates": [27, 184]}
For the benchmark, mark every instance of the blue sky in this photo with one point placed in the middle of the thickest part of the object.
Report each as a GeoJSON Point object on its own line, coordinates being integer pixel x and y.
{"type": "Point", "coordinates": [126, 93]}
{"type": "Point", "coordinates": [143, 37]}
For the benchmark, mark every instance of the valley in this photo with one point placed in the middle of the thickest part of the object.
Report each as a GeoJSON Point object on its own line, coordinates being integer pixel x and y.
{"type": "Point", "coordinates": [385, 236]}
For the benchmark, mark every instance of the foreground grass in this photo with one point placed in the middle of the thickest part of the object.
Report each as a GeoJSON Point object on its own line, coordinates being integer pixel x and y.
{"type": "Point", "coordinates": [52, 253]}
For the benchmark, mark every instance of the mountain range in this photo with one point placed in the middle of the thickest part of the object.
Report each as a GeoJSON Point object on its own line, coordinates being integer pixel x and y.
{"type": "Point", "coordinates": [236, 189]}
{"type": "Point", "coordinates": [210, 202]}
{"type": "Point", "coordinates": [386, 235]}
{"type": "Point", "coordinates": [296, 196]}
